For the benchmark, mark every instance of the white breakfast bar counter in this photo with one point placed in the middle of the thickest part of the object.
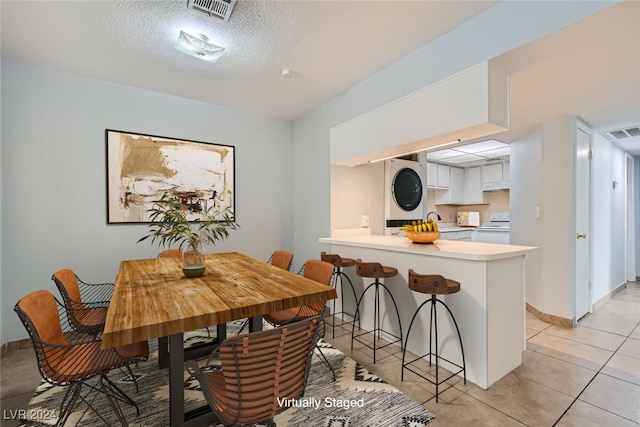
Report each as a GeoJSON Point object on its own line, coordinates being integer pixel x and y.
{"type": "Point", "coordinates": [489, 309]}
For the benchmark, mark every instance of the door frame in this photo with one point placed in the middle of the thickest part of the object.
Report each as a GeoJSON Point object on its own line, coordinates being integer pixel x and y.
{"type": "Point", "coordinates": [582, 126]}
{"type": "Point", "coordinates": [630, 244]}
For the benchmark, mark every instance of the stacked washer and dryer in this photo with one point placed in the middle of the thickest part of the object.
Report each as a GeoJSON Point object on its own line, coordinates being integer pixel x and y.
{"type": "Point", "coordinates": [403, 194]}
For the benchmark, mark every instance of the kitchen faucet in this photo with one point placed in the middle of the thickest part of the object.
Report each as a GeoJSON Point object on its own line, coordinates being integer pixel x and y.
{"type": "Point", "coordinates": [436, 213]}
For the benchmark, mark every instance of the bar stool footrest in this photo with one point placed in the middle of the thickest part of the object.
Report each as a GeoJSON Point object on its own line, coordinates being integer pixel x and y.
{"type": "Point", "coordinates": [373, 332]}
{"type": "Point", "coordinates": [409, 368]}
{"type": "Point", "coordinates": [340, 317]}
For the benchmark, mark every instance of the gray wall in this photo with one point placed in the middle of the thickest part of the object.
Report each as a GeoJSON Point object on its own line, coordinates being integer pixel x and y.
{"type": "Point", "coordinates": [53, 176]}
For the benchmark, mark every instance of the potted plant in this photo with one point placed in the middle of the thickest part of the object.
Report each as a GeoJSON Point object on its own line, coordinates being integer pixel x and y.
{"type": "Point", "coordinates": [170, 226]}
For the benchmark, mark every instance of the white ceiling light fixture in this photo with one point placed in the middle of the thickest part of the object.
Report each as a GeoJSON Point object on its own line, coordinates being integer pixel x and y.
{"type": "Point", "coordinates": [489, 150]}
{"type": "Point", "coordinates": [198, 46]}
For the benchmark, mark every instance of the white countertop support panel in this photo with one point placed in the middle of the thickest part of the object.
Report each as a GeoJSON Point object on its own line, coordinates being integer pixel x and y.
{"type": "Point", "coordinates": [489, 309]}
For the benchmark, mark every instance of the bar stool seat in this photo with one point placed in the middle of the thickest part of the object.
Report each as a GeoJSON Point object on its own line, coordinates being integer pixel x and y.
{"type": "Point", "coordinates": [338, 264]}
{"type": "Point", "coordinates": [433, 284]}
{"type": "Point", "coordinates": [375, 271]}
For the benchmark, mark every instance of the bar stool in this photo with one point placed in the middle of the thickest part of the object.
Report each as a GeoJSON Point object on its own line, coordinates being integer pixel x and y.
{"type": "Point", "coordinates": [338, 264]}
{"type": "Point", "coordinates": [435, 285]}
{"type": "Point", "coordinates": [376, 271]}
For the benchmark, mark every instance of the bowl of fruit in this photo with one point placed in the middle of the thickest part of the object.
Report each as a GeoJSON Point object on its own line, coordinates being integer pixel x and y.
{"type": "Point", "coordinates": [422, 231]}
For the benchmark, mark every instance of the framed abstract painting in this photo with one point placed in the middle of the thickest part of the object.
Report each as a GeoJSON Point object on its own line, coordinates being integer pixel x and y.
{"type": "Point", "coordinates": [141, 168]}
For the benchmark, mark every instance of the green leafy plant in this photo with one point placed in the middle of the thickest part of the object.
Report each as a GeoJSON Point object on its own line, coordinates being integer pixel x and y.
{"type": "Point", "coordinates": [170, 225]}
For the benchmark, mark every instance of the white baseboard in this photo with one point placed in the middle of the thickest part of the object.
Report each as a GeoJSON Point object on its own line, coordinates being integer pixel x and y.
{"type": "Point", "coordinates": [607, 297]}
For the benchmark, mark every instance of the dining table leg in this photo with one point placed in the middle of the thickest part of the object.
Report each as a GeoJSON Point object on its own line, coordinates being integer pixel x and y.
{"type": "Point", "coordinates": [176, 380]}
{"type": "Point", "coordinates": [198, 417]}
{"type": "Point", "coordinates": [255, 324]}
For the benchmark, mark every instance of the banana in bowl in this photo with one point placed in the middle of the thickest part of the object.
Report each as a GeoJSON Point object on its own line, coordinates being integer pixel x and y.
{"type": "Point", "coordinates": [422, 231]}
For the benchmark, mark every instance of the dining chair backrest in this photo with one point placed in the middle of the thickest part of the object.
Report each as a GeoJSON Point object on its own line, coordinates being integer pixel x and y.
{"type": "Point", "coordinates": [86, 303]}
{"type": "Point", "coordinates": [282, 259]}
{"type": "Point", "coordinates": [171, 253]}
{"type": "Point", "coordinates": [321, 272]}
{"type": "Point", "coordinates": [257, 369]}
{"type": "Point", "coordinates": [38, 312]}
{"type": "Point", "coordinates": [67, 283]}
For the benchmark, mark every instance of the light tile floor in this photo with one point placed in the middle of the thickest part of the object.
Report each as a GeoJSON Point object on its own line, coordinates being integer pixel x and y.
{"type": "Point", "coordinates": [585, 376]}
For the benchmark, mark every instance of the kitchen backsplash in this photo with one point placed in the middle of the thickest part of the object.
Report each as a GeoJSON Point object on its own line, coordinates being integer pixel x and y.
{"type": "Point", "coordinates": [498, 201]}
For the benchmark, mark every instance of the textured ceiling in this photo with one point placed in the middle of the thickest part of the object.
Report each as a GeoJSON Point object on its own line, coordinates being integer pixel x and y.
{"type": "Point", "coordinates": [329, 46]}
{"type": "Point", "coordinates": [590, 69]}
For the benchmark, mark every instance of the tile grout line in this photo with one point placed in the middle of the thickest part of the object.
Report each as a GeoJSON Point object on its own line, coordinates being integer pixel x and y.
{"type": "Point", "coordinates": [590, 381]}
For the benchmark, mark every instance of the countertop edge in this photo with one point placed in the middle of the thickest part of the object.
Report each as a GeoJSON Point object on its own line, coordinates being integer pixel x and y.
{"type": "Point", "coordinates": [452, 249]}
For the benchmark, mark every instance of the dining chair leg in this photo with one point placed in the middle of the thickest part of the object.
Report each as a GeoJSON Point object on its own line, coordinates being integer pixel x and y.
{"type": "Point", "coordinates": [326, 361]}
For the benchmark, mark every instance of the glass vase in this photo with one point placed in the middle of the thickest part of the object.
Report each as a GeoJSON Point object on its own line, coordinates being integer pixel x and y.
{"type": "Point", "coordinates": [193, 261]}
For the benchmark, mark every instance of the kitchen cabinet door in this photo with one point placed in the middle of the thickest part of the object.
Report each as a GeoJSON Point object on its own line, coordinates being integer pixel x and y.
{"type": "Point", "coordinates": [492, 174]}
{"type": "Point", "coordinates": [437, 175]}
{"type": "Point", "coordinates": [465, 235]}
{"type": "Point", "coordinates": [432, 175]}
{"type": "Point", "coordinates": [454, 195]}
{"type": "Point", "coordinates": [443, 176]}
{"type": "Point", "coordinates": [473, 194]}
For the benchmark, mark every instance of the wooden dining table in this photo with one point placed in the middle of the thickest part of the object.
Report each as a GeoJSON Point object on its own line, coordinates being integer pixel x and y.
{"type": "Point", "coordinates": [153, 299]}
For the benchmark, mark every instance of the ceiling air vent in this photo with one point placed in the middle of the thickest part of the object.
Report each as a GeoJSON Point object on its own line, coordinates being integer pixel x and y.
{"type": "Point", "coordinates": [621, 134]}
{"type": "Point", "coordinates": [217, 8]}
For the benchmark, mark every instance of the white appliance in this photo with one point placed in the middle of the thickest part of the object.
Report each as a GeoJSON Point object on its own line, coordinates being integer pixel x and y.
{"type": "Point", "coordinates": [497, 230]}
{"type": "Point", "coordinates": [468, 219]}
{"type": "Point", "coordinates": [403, 192]}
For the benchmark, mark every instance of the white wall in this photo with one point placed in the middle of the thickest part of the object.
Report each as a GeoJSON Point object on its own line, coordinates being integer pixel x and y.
{"type": "Point", "coordinates": [608, 217]}
{"type": "Point", "coordinates": [542, 176]}
{"type": "Point", "coordinates": [53, 176]}
{"type": "Point", "coordinates": [637, 211]}
{"type": "Point", "coordinates": [501, 28]}
{"type": "Point", "coordinates": [525, 195]}
{"type": "Point", "coordinates": [357, 191]}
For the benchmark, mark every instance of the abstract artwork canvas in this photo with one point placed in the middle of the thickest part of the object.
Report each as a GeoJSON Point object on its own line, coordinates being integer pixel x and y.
{"type": "Point", "coordinates": [141, 168]}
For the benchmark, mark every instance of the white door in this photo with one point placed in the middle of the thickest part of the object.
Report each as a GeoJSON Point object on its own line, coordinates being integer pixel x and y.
{"type": "Point", "coordinates": [583, 220]}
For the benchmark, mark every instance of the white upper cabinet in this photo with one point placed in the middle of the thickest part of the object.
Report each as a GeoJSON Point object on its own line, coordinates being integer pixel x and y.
{"type": "Point", "coordinates": [437, 175]}
{"type": "Point", "coordinates": [467, 105]}
{"type": "Point", "coordinates": [506, 172]}
{"type": "Point", "coordinates": [443, 176]}
{"type": "Point", "coordinates": [432, 174]}
{"type": "Point", "coordinates": [473, 194]}
{"type": "Point", "coordinates": [454, 195]}
{"type": "Point", "coordinates": [495, 176]}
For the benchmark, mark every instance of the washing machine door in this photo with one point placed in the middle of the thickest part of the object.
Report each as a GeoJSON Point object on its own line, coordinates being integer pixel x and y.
{"type": "Point", "coordinates": [407, 189]}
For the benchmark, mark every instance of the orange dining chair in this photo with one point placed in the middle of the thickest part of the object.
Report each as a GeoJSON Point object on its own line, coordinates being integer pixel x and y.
{"type": "Point", "coordinates": [321, 272]}
{"type": "Point", "coordinates": [252, 372]}
{"type": "Point", "coordinates": [281, 259]}
{"type": "Point", "coordinates": [86, 303]}
{"type": "Point", "coordinates": [171, 253]}
{"type": "Point", "coordinates": [67, 357]}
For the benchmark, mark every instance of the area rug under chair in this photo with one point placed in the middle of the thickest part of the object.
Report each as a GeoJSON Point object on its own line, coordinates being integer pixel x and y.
{"type": "Point", "coordinates": [356, 398]}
